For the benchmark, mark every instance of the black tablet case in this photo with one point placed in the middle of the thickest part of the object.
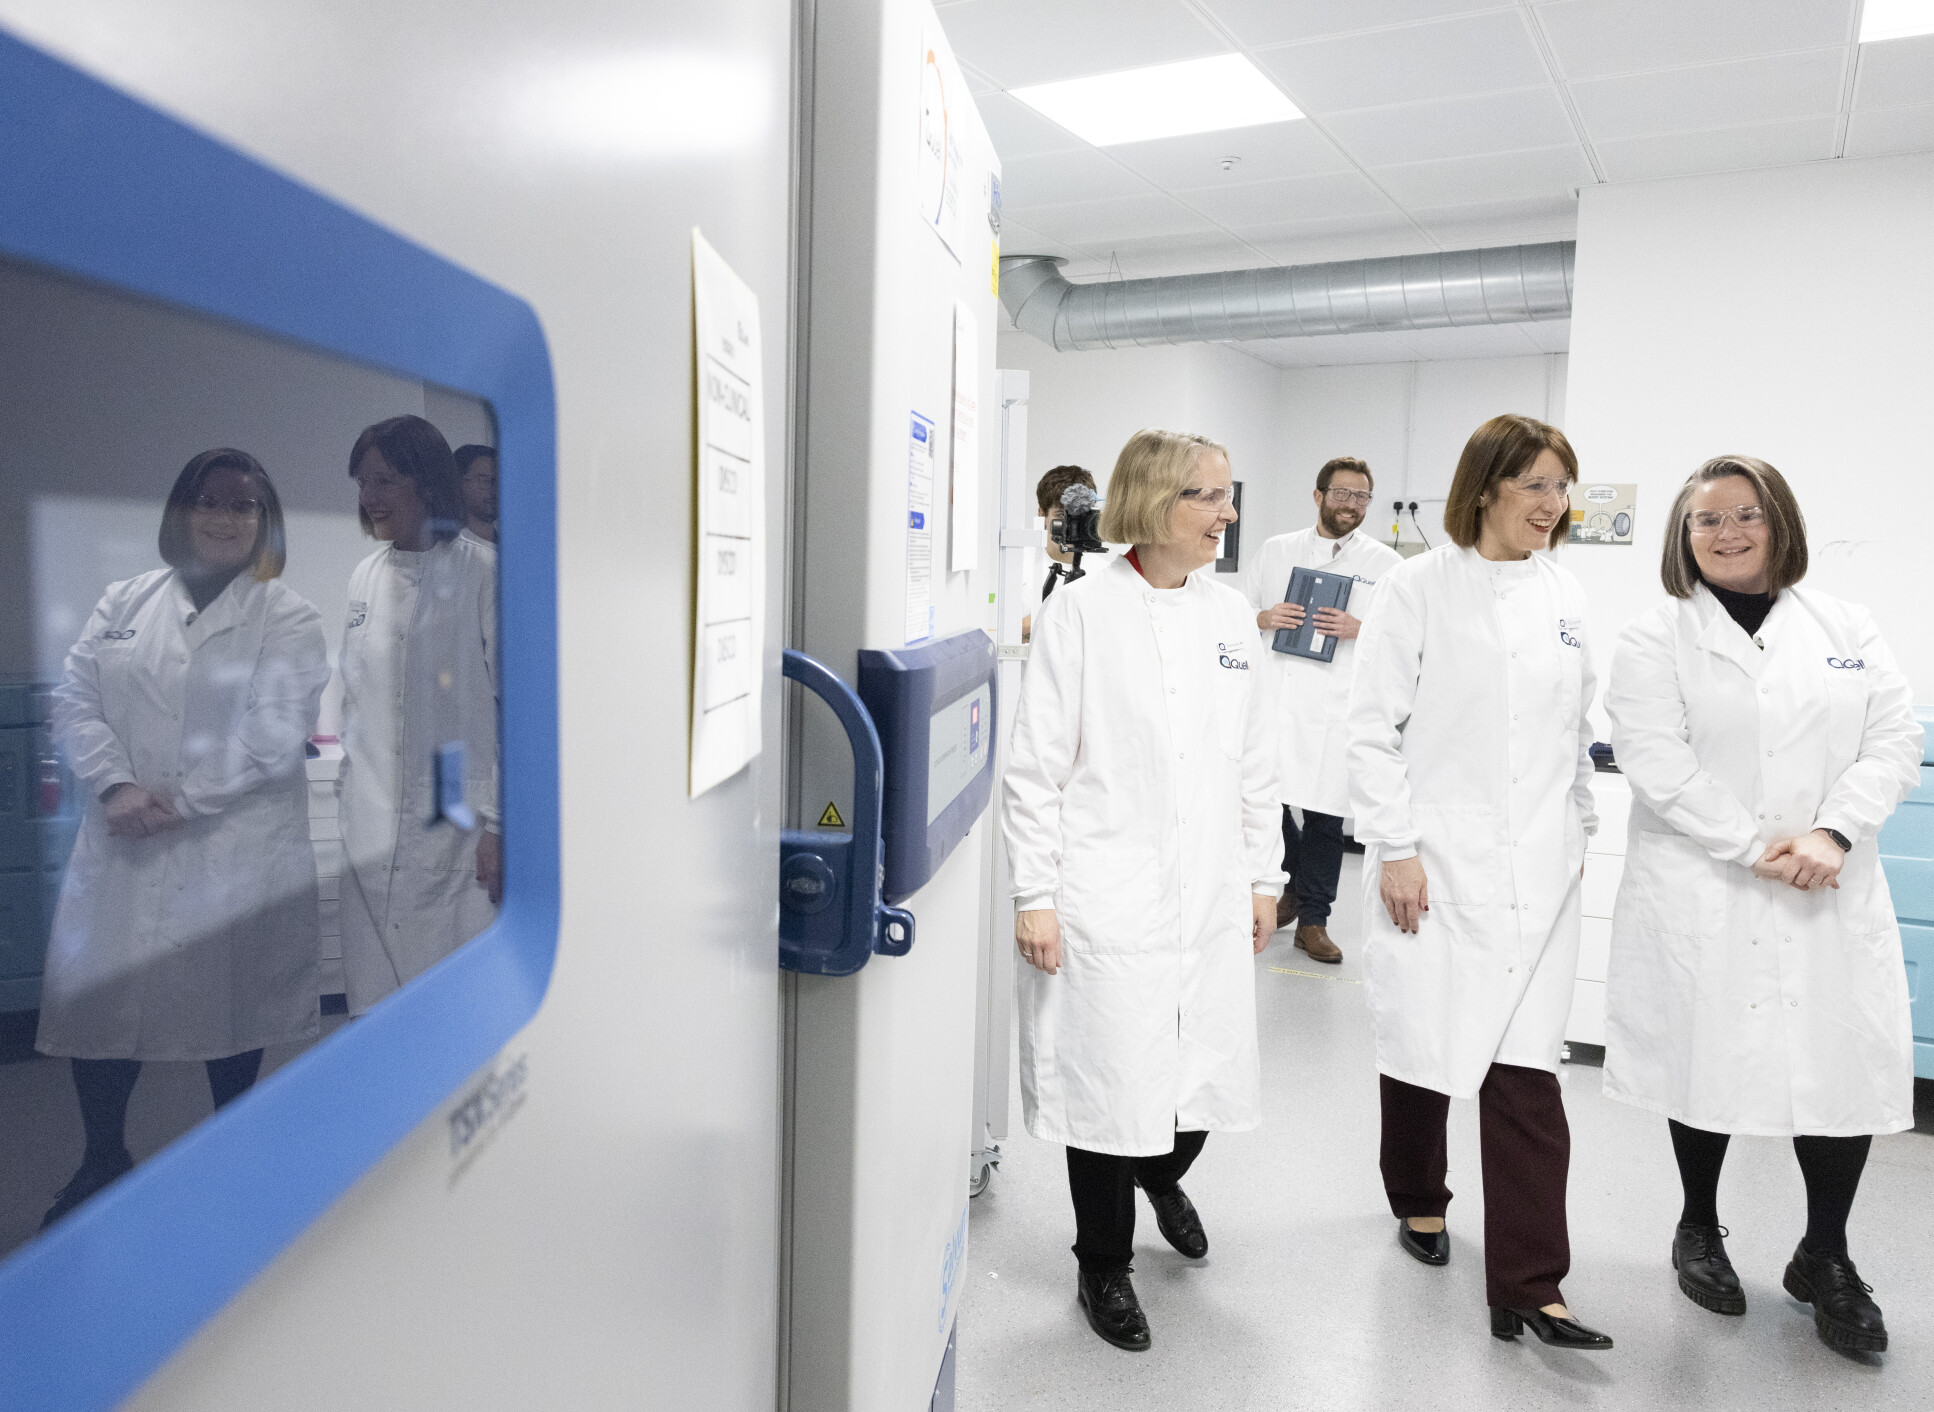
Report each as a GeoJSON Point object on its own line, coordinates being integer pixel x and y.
{"type": "Point", "coordinates": [1314, 589]}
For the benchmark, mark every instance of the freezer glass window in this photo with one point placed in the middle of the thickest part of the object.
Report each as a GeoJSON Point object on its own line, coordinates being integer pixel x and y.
{"type": "Point", "coordinates": [249, 715]}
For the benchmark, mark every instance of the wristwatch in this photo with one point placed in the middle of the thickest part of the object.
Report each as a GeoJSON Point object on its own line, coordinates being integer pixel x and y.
{"type": "Point", "coordinates": [1846, 845]}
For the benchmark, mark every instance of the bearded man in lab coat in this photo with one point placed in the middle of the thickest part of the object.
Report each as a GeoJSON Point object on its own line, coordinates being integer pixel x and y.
{"type": "Point", "coordinates": [1756, 982]}
{"type": "Point", "coordinates": [1139, 807]}
{"type": "Point", "coordinates": [1309, 698]}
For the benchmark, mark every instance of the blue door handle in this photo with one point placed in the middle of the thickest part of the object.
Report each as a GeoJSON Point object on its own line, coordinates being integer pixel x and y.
{"type": "Point", "coordinates": [831, 916]}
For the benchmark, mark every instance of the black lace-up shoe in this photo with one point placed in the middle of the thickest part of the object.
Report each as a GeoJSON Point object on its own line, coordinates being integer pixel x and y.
{"type": "Point", "coordinates": [1112, 1309]}
{"type": "Point", "coordinates": [1706, 1276]}
{"type": "Point", "coordinates": [92, 1177]}
{"type": "Point", "coordinates": [1180, 1225]}
{"type": "Point", "coordinates": [1842, 1313]}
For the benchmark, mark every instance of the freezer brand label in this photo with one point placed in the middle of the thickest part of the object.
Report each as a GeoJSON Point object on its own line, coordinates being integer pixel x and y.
{"type": "Point", "coordinates": [952, 1260]}
{"type": "Point", "coordinates": [481, 1113]}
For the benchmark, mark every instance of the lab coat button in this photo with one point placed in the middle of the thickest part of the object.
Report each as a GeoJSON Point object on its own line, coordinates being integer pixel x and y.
{"type": "Point", "coordinates": [1769, 754]}
{"type": "Point", "coordinates": [1794, 1003]}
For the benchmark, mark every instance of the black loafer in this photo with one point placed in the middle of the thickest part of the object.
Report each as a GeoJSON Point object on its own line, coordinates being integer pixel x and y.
{"type": "Point", "coordinates": [1431, 1247]}
{"type": "Point", "coordinates": [1180, 1225]}
{"type": "Point", "coordinates": [1706, 1276]}
{"type": "Point", "coordinates": [1112, 1309]}
{"type": "Point", "coordinates": [1559, 1333]}
{"type": "Point", "coordinates": [92, 1177]}
{"type": "Point", "coordinates": [1843, 1314]}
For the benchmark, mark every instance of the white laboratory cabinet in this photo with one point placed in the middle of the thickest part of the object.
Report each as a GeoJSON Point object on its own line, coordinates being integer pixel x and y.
{"type": "Point", "coordinates": [1604, 867]}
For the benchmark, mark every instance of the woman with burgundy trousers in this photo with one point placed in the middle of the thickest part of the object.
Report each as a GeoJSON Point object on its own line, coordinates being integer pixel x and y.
{"type": "Point", "coordinates": [1470, 776]}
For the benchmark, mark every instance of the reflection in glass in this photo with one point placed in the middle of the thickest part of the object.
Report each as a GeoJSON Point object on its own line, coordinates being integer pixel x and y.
{"type": "Point", "coordinates": [186, 926]}
{"type": "Point", "coordinates": [419, 666]}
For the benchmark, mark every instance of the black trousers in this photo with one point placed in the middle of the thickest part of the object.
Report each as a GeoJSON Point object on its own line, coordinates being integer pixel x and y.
{"type": "Point", "coordinates": [104, 1087]}
{"type": "Point", "coordinates": [1103, 1188]}
{"type": "Point", "coordinates": [1313, 858]}
{"type": "Point", "coordinates": [1830, 1165]}
{"type": "Point", "coordinates": [1526, 1145]}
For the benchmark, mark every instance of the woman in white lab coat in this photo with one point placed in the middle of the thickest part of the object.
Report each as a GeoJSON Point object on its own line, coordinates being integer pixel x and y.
{"type": "Point", "coordinates": [1140, 812]}
{"type": "Point", "coordinates": [1756, 982]}
{"type": "Point", "coordinates": [186, 926]}
{"type": "Point", "coordinates": [1470, 769]}
{"type": "Point", "coordinates": [423, 855]}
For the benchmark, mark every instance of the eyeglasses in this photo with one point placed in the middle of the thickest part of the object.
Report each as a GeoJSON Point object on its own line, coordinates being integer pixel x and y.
{"type": "Point", "coordinates": [1348, 497]}
{"type": "Point", "coordinates": [238, 509]}
{"type": "Point", "coordinates": [1208, 499]}
{"type": "Point", "coordinates": [1711, 521]}
{"type": "Point", "coordinates": [1538, 489]}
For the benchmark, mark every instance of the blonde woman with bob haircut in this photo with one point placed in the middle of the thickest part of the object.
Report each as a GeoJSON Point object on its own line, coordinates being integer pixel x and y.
{"type": "Point", "coordinates": [1756, 982]}
{"type": "Point", "coordinates": [1470, 775]}
{"type": "Point", "coordinates": [1139, 808]}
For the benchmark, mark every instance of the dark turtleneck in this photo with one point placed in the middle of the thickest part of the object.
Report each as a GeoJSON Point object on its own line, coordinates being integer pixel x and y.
{"type": "Point", "coordinates": [1749, 610]}
{"type": "Point", "coordinates": [205, 587]}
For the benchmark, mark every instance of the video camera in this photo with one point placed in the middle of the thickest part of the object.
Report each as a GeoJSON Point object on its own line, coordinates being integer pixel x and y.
{"type": "Point", "coordinates": [1074, 529]}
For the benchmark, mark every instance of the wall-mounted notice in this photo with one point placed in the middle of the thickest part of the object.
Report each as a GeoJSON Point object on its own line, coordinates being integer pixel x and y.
{"type": "Point", "coordinates": [728, 634]}
{"type": "Point", "coordinates": [920, 465]}
{"type": "Point", "coordinates": [963, 520]}
{"type": "Point", "coordinates": [941, 163]}
{"type": "Point", "coordinates": [1603, 514]}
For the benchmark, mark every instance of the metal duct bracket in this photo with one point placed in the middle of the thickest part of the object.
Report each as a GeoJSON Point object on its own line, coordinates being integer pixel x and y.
{"type": "Point", "coordinates": [1504, 284]}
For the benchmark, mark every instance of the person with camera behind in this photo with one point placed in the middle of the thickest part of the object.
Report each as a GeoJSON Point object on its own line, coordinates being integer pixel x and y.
{"type": "Point", "coordinates": [1308, 697]}
{"type": "Point", "coordinates": [1470, 776]}
{"type": "Point", "coordinates": [1767, 734]}
{"type": "Point", "coordinates": [1139, 809]}
{"type": "Point", "coordinates": [1047, 499]}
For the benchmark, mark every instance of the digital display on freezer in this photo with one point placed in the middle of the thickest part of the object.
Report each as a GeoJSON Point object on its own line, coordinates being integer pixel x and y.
{"type": "Point", "coordinates": [957, 748]}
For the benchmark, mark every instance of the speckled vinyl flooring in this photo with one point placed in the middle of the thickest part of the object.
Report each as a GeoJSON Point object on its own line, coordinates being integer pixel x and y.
{"type": "Point", "coordinates": [1305, 1301]}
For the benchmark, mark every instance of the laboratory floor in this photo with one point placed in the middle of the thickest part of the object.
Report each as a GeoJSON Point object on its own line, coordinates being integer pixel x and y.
{"type": "Point", "coordinates": [1305, 1301]}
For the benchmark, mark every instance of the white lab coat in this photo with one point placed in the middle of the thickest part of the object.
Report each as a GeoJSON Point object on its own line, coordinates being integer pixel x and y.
{"type": "Point", "coordinates": [1309, 699]}
{"type": "Point", "coordinates": [199, 941]}
{"type": "Point", "coordinates": [419, 667]}
{"type": "Point", "coordinates": [1736, 1004]}
{"type": "Point", "coordinates": [1470, 748]}
{"type": "Point", "coordinates": [1140, 803]}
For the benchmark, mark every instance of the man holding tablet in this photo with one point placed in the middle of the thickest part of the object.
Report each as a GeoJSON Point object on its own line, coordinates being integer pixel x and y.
{"type": "Point", "coordinates": [1309, 686]}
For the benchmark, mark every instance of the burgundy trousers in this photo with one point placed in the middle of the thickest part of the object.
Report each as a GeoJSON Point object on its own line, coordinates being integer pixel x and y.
{"type": "Point", "coordinates": [1526, 1147]}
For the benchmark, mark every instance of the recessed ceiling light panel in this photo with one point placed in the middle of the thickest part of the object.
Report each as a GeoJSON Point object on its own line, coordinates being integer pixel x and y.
{"type": "Point", "coordinates": [1167, 100]}
{"type": "Point", "coordinates": [1895, 19]}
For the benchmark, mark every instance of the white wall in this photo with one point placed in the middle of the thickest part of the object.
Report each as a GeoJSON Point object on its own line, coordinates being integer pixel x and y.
{"type": "Point", "coordinates": [1408, 420]}
{"type": "Point", "coordinates": [1782, 314]}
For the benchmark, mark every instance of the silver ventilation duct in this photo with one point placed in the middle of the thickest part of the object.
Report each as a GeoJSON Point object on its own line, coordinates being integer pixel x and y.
{"type": "Point", "coordinates": [1505, 284]}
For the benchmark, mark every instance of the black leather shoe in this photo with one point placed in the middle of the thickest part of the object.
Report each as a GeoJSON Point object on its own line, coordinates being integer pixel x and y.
{"type": "Point", "coordinates": [1842, 1313]}
{"type": "Point", "coordinates": [1181, 1226]}
{"type": "Point", "coordinates": [1431, 1247]}
{"type": "Point", "coordinates": [1706, 1276]}
{"type": "Point", "coordinates": [1559, 1333]}
{"type": "Point", "coordinates": [91, 1178]}
{"type": "Point", "coordinates": [1112, 1309]}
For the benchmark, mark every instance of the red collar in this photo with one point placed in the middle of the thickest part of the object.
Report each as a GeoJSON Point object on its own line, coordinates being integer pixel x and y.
{"type": "Point", "coordinates": [1135, 562]}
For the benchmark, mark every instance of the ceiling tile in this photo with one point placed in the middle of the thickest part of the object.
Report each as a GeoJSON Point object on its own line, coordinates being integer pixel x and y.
{"type": "Point", "coordinates": [1474, 226]}
{"type": "Point", "coordinates": [1273, 150]}
{"type": "Point", "coordinates": [1724, 150]}
{"type": "Point", "coordinates": [1260, 22]}
{"type": "Point", "coordinates": [1880, 131]}
{"type": "Point", "coordinates": [1183, 255]}
{"type": "Point", "coordinates": [1328, 350]}
{"type": "Point", "coordinates": [1095, 223]}
{"type": "Point", "coordinates": [1597, 38]}
{"type": "Point", "coordinates": [1054, 177]}
{"type": "Point", "coordinates": [1020, 239]}
{"type": "Point", "coordinates": [1017, 42]}
{"type": "Point", "coordinates": [1548, 335]}
{"type": "Point", "coordinates": [1711, 96]}
{"type": "Point", "coordinates": [1473, 341]}
{"type": "Point", "coordinates": [1321, 242]}
{"type": "Point", "coordinates": [1444, 59]}
{"type": "Point", "coordinates": [1455, 127]}
{"type": "Point", "coordinates": [1497, 176]}
{"type": "Point", "coordinates": [1896, 74]}
{"type": "Point", "coordinates": [1018, 131]}
{"type": "Point", "coordinates": [1259, 203]}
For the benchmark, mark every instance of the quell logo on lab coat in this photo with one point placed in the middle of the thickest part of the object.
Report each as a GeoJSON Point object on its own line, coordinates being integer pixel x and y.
{"type": "Point", "coordinates": [1847, 664]}
{"type": "Point", "coordinates": [1565, 633]}
{"type": "Point", "coordinates": [118, 634]}
{"type": "Point", "coordinates": [358, 613]}
{"type": "Point", "coordinates": [1233, 663]}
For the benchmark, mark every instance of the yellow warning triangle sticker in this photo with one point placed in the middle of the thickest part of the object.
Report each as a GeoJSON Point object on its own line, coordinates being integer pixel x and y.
{"type": "Point", "coordinates": [829, 817]}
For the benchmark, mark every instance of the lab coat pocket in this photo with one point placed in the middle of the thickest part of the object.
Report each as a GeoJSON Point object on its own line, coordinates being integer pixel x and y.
{"type": "Point", "coordinates": [1846, 714]}
{"type": "Point", "coordinates": [1673, 885]}
{"type": "Point", "coordinates": [1232, 710]}
{"type": "Point", "coordinates": [1462, 851]}
{"type": "Point", "coordinates": [1862, 902]}
{"type": "Point", "coordinates": [1111, 899]}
